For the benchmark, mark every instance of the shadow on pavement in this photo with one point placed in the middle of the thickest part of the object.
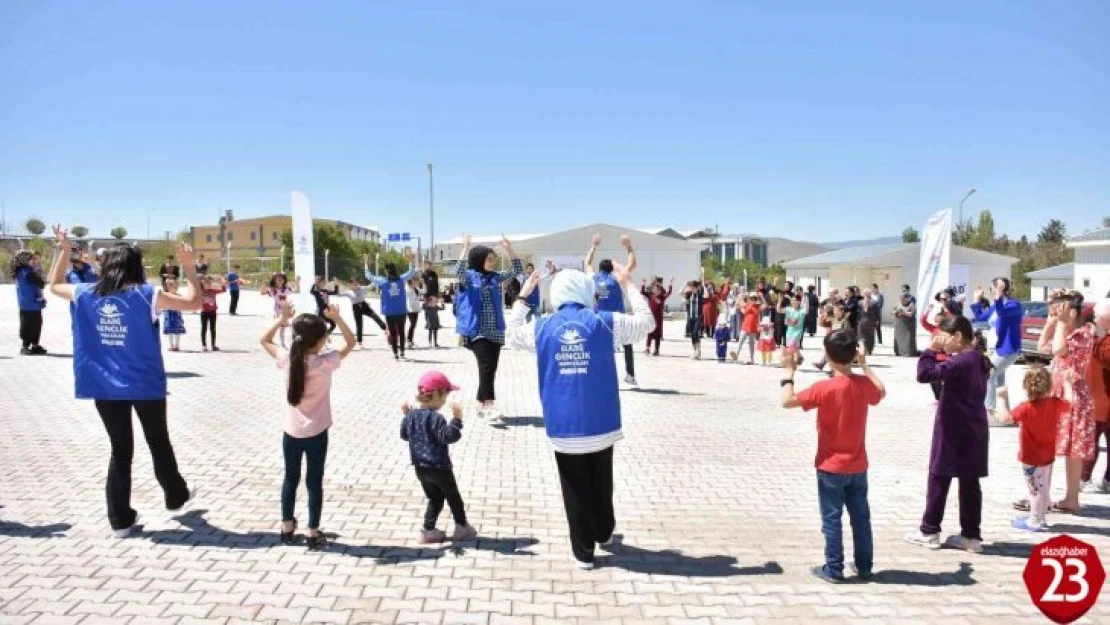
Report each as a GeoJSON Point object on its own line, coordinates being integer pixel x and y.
{"type": "Point", "coordinates": [70, 356]}
{"type": "Point", "coordinates": [658, 391]}
{"type": "Point", "coordinates": [1062, 528]}
{"type": "Point", "coordinates": [673, 562]}
{"type": "Point", "coordinates": [1088, 511]}
{"type": "Point", "coordinates": [19, 530]}
{"type": "Point", "coordinates": [1008, 550]}
{"type": "Point", "coordinates": [401, 555]}
{"type": "Point", "coordinates": [961, 577]}
{"type": "Point", "coordinates": [183, 374]}
{"type": "Point", "coordinates": [517, 422]}
{"type": "Point", "coordinates": [200, 533]}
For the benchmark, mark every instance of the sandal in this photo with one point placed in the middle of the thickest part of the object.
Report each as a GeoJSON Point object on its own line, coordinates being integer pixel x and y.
{"type": "Point", "coordinates": [288, 537]}
{"type": "Point", "coordinates": [1022, 505]}
{"type": "Point", "coordinates": [1058, 509]}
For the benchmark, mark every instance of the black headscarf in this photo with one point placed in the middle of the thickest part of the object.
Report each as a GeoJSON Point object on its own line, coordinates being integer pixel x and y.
{"type": "Point", "coordinates": [477, 259]}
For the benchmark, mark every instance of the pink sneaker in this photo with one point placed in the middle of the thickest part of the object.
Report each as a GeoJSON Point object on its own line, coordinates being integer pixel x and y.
{"type": "Point", "coordinates": [464, 533]}
{"type": "Point", "coordinates": [428, 537]}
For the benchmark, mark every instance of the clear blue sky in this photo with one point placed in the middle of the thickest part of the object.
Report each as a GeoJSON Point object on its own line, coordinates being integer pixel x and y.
{"type": "Point", "coordinates": [810, 122]}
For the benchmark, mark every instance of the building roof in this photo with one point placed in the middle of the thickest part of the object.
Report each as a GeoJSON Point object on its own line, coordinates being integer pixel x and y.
{"type": "Point", "coordinates": [1067, 270]}
{"type": "Point", "coordinates": [1095, 237]}
{"type": "Point", "coordinates": [881, 255]}
{"type": "Point", "coordinates": [488, 239]}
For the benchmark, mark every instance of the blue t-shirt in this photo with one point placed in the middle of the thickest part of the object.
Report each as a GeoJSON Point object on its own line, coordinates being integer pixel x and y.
{"type": "Point", "coordinates": [233, 282]}
{"type": "Point", "coordinates": [610, 296]}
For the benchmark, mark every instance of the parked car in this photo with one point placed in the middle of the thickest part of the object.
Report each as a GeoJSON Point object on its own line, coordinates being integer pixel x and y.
{"type": "Point", "coordinates": [1032, 326]}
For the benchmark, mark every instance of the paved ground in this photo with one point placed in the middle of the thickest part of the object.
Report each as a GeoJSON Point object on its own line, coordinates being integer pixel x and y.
{"type": "Point", "coordinates": [716, 502]}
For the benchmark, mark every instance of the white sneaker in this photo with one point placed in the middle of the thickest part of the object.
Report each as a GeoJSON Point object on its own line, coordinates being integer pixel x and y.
{"type": "Point", "coordinates": [630, 380]}
{"type": "Point", "coordinates": [125, 532]}
{"type": "Point", "coordinates": [188, 502]}
{"type": "Point", "coordinates": [928, 541]}
{"type": "Point", "coordinates": [965, 544]}
{"type": "Point", "coordinates": [583, 566]}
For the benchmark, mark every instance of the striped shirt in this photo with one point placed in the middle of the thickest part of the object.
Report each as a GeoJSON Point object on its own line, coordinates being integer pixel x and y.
{"type": "Point", "coordinates": [491, 297]}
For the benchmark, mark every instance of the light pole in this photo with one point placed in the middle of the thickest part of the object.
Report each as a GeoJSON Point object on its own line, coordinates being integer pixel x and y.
{"type": "Point", "coordinates": [283, 259]}
{"type": "Point", "coordinates": [327, 253]}
{"type": "Point", "coordinates": [431, 208]}
{"type": "Point", "coordinates": [970, 193]}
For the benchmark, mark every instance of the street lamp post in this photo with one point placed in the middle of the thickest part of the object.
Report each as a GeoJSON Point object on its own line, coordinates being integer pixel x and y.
{"type": "Point", "coordinates": [327, 254]}
{"type": "Point", "coordinates": [283, 259]}
{"type": "Point", "coordinates": [431, 208]}
{"type": "Point", "coordinates": [969, 194]}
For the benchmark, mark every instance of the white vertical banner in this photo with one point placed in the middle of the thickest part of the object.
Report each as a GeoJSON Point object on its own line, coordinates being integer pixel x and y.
{"type": "Point", "coordinates": [936, 252]}
{"type": "Point", "coordinates": [304, 253]}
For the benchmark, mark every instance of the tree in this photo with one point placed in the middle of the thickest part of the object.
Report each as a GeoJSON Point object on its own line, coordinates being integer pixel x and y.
{"type": "Point", "coordinates": [119, 233]}
{"type": "Point", "coordinates": [983, 237]}
{"type": "Point", "coordinates": [35, 226]}
{"type": "Point", "coordinates": [963, 232]}
{"type": "Point", "coordinates": [1053, 232]}
{"type": "Point", "coordinates": [79, 231]}
{"type": "Point", "coordinates": [910, 235]}
{"type": "Point", "coordinates": [1106, 221]}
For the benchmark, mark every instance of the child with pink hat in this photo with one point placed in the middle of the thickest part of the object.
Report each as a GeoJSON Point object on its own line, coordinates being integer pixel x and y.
{"type": "Point", "coordinates": [428, 434]}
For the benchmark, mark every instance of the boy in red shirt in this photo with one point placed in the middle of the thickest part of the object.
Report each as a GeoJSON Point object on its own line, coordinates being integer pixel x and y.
{"type": "Point", "coordinates": [842, 403]}
{"type": "Point", "coordinates": [1039, 418]}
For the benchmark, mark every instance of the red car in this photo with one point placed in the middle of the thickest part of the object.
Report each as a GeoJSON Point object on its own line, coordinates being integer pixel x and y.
{"type": "Point", "coordinates": [1032, 325]}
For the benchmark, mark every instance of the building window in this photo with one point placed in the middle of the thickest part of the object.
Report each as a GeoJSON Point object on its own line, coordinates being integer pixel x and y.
{"type": "Point", "coordinates": [276, 236]}
{"type": "Point", "coordinates": [1086, 283]}
{"type": "Point", "coordinates": [254, 235]}
{"type": "Point", "coordinates": [209, 238]}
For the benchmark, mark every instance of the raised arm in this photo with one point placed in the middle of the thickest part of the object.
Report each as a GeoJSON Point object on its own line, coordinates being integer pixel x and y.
{"type": "Point", "coordinates": [980, 313]}
{"type": "Point", "coordinates": [267, 339]}
{"type": "Point", "coordinates": [631, 328]}
{"type": "Point", "coordinates": [929, 368]}
{"type": "Point", "coordinates": [189, 297]}
{"type": "Point", "coordinates": [448, 432]}
{"type": "Point", "coordinates": [588, 263]}
{"type": "Point", "coordinates": [57, 277]}
{"type": "Point", "coordinates": [518, 334]}
{"type": "Point", "coordinates": [626, 243]}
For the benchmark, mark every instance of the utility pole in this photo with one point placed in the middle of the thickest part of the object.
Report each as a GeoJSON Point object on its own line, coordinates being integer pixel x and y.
{"type": "Point", "coordinates": [431, 207]}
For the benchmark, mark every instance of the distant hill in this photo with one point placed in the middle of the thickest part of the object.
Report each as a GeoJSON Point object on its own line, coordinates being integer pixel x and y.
{"type": "Point", "coordinates": [880, 241]}
{"type": "Point", "coordinates": [781, 250]}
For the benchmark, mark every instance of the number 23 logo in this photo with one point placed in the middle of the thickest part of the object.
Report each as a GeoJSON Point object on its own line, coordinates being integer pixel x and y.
{"type": "Point", "coordinates": [1052, 594]}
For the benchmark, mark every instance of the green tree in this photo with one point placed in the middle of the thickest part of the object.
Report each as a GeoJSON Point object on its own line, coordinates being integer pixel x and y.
{"type": "Point", "coordinates": [963, 232]}
{"type": "Point", "coordinates": [79, 231]}
{"type": "Point", "coordinates": [1053, 232]}
{"type": "Point", "coordinates": [983, 238]}
{"type": "Point", "coordinates": [35, 226]}
{"type": "Point", "coordinates": [910, 235]}
{"type": "Point", "coordinates": [119, 233]}
{"type": "Point", "coordinates": [344, 258]}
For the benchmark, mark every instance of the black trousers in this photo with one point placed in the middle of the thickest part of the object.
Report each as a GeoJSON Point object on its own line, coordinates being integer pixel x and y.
{"type": "Point", "coordinates": [587, 482]}
{"type": "Point", "coordinates": [360, 310]}
{"type": "Point", "coordinates": [413, 319]}
{"type": "Point", "coordinates": [396, 325]}
{"type": "Point", "coordinates": [971, 505]}
{"type": "Point", "coordinates": [488, 354]}
{"type": "Point", "coordinates": [116, 416]}
{"type": "Point", "coordinates": [439, 485]}
{"type": "Point", "coordinates": [879, 332]}
{"type": "Point", "coordinates": [207, 323]}
{"type": "Point", "coordinates": [629, 361]}
{"type": "Point", "coordinates": [30, 327]}
{"type": "Point", "coordinates": [234, 301]}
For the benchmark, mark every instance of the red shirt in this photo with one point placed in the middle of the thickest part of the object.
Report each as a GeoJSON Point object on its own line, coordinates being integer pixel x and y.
{"type": "Point", "coordinates": [751, 319]}
{"type": "Point", "coordinates": [1039, 419]}
{"type": "Point", "coordinates": [208, 299]}
{"type": "Point", "coordinates": [841, 405]}
{"type": "Point", "coordinates": [1098, 376]}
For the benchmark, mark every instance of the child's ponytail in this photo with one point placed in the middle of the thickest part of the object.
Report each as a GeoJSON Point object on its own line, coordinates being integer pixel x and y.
{"type": "Point", "coordinates": [308, 331]}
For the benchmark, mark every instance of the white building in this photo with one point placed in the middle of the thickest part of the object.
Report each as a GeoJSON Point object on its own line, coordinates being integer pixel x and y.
{"type": "Point", "coordinates": [891, 266]}
{"type": "Point", "coordinates": [1092, 264]}
{"type": "Point", "coordinates": [1044, 281]}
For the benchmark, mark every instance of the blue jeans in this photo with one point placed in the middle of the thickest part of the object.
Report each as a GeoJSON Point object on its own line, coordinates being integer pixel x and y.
{"type": "Point", "coordinates": [997, 377]}
{"type": "Point", "coordinates": [836, 491]}
{"type": "Point", "coordinates": [315, 450]}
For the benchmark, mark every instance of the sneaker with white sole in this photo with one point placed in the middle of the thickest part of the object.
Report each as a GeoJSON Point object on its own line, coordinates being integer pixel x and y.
{"type": "Point", "coordinates": [125, 532]}
{"type": "Point", "coordinates": [630, 380]}
{"type": "Point", "coordinates": [188, 502]}
{"type": "Point", "coordinates": [928, 541]}
{"type": "Point", "coordinates": [428, 537]}
{"type": "Point", "coordinates": [966, 544]}
{"type": "Point", "coordinates": [583, 566]}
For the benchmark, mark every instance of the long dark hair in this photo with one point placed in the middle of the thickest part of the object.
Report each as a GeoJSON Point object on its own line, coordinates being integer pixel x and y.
{"type": "Point", "coordinates": [391, 271]}
{"type": "Point", "coordinates": [308, 330]}
{"type": "Point", "coordinates": [284, 280]}
{"type": "Point", "coordinates": [121, 268]}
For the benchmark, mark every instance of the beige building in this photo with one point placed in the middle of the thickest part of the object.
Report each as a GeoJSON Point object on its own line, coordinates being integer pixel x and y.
{"type": "Point", "coordinates": [261, 236]}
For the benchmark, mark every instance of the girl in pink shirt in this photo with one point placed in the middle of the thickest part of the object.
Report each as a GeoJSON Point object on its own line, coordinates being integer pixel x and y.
{"type": "Point", "coordinates": [308, 414]}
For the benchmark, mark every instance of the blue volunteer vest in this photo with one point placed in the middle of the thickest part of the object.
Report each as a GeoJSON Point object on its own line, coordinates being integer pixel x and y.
{"type": "Point", "coordinates": [578, 373]}
{"type": "Point", "coordinates": [533, 299]}
{"type": "Point", "coordinates": [468, 305]}
{"type": "Point", "coordinates": [610, 296]}
{"type": "Point", "coordinates": [117, 353]}
{"type": "Point", "coordinates": [393, 298]}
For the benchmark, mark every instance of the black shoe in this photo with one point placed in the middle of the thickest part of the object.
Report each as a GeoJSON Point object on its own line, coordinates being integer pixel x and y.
{"type": "Point", "coordinates": [26, 351]}
{"type": "Point", "coordinates": [863, 577]}
{"type": "Point", "coordinates": [287, 538]}
{"type": "Point", "coordinates": [317, 542]}
{"type": "Point", "coordinates": [38, 350]}
{"type": "Point", "coordinates": [820, 572]}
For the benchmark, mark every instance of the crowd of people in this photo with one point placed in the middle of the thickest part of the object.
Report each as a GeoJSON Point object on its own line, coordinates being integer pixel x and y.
{"type": "Point", "coordinates": [596, 313]}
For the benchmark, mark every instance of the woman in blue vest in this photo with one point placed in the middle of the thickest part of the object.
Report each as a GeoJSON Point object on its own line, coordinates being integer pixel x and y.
{"type": "Point", "coordinates": [28, 290]}
{"type": "Point", "coordinates": [395, 307]}
{"type": "Point", "coordinates": [480, 313]}
{"type": "Point", "coordinates": [580, 393]}
{"type": "Point", "coordinates": [117, 363]}
{"type": "Point", "coordinates": [610, 297]}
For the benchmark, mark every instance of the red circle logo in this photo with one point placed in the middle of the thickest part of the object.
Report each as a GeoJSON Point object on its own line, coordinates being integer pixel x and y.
{"type": "Point", "coordinates": [1064, 577]}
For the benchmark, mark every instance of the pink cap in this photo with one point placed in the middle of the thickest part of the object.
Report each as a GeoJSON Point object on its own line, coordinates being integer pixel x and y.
{"type": "Point", "coordinates": [435, 381]}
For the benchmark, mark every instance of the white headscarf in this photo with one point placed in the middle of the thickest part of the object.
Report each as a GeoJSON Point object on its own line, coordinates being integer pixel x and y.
{"type": "Point", "coordinates": [572, 287]}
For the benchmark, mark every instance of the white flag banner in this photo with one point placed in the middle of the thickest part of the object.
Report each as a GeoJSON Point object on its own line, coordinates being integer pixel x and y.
{"type": "Point", "coordinates": [304, 253]}
{"type": "Point", "coordinates": [936, 252]}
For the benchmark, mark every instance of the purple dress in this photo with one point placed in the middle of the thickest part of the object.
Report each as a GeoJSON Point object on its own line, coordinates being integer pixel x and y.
{"type": "Point", "coordinates": [961, 436]}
